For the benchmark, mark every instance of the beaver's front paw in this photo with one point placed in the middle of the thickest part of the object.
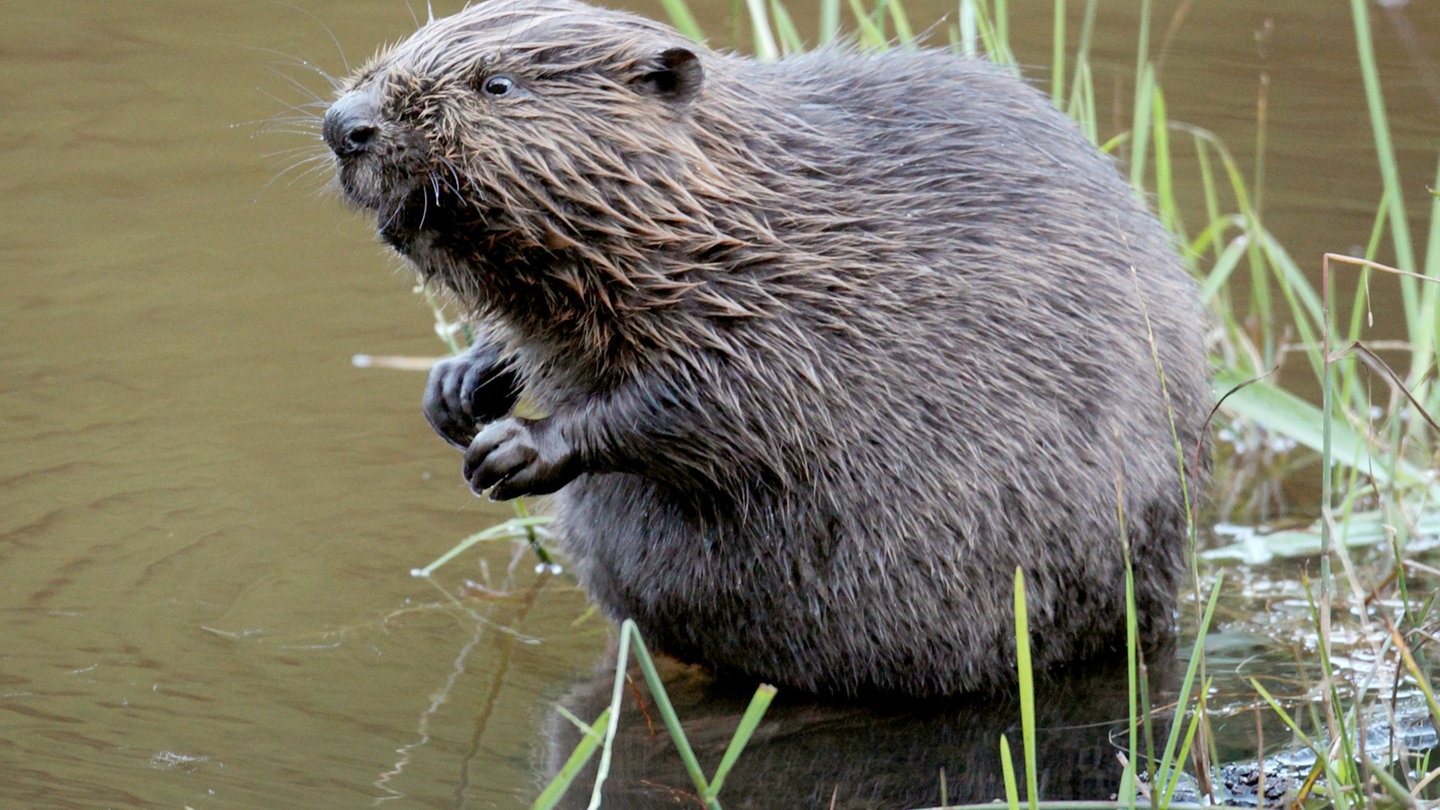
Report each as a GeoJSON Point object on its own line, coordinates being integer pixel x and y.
{"type": "Point", "coordinates": [520, 457]}
{"type": "Point", "coordinates": [467, 391]}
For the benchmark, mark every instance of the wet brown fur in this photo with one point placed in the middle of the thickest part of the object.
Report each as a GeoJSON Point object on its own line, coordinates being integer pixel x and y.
{"type": "Point", "coordinates": [831, 344]}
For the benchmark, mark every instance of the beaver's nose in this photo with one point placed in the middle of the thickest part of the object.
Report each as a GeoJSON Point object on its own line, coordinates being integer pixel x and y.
{"type": "Point", "coordinates": [351, 124]}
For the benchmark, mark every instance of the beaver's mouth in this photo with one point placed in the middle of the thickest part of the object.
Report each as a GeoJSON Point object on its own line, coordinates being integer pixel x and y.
{"type": "Point", "coordinates": [401, 221]}
{"type": "Point", "coordinates": [430, 229]}
{"type": "Point", "coordinates": [403, 205]}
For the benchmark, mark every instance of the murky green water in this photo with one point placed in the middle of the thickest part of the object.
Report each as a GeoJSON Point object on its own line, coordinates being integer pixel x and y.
{"type": "Point", "coordinates": [208, 516]}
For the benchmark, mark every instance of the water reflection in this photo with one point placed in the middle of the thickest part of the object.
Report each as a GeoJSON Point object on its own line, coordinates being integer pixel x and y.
{"type": "Point", "coordinates": [808, 754]}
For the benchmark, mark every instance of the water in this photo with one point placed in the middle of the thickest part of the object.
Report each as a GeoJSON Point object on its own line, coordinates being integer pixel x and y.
{"type": "Point", "coordinates": [208, 516]}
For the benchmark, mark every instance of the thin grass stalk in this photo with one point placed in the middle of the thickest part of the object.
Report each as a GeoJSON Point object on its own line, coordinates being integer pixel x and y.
{"type": "Point", "coordinates": [1007, 773]}
{"type": "Point", "coordinates": [1262, 120]}
{"type": "Point", "coordinates": [785, 30]}
{"type": "Point", "coordinates": [1224, 265]}
{"type": "Point", "coordinates": [765, 48]}
{"type": "Point", "coordinates": [1000, 15]}
{"type": "Point", "coordinates": [682, 19]}
{"type": "Point", "coordinates": [1132, 666]}
{"type": "Point", "coordinates": [1027, 689]}
{"type": "Point", "coordinates": [1057, 57]}
{"type": "Point", "coordinates": [1394, 200]}
{"type": "Point", "coordinates": [1397, 791]}
{"type": "Point", "coordinates": [904, 34]}
{"type": "Point", "coordinates": [1207, 184]}
{"type": "Point", "coordinates": [1169, 768]}
{"type": "Point", "coordinates": [617, 696]}
{"type": "Point", "coordinates": [1166, 206]}
{"type": "Point", "coordinates": [1192, 728]}
{"type": "Point", "coordinates": [1421, 680]}
{"type": "Point", "coordinates": [967, 29]}
{"type": "Point", "coordinates": [592, 739]}
{"type": "Point", "coordinates": [986, 31]}
{"type": "Point", "coordinates": [1140, 127]}
{"type": "Point", "coordinates": [630, 636]}
{"type": "Point", "coordinates": [512, 529]}
{"type": "Point", "coordinates": [871, 35]}
{"type": "Point", "coordinates": [748, 722]}
{"type": "Point", "coordinates": [530, 525]}
{"type": "Point", "coordinates": [1082, 50]}
{"type": "Point", "coordinates": [1326, 505]}
{"type": "Point", "coordinates": [1323, 762]}
{"type": "Point", "coordinates": [1327, 450]}
{"type": "Point", "coordinates": [1429, 321]}
{"type": "Point", "coordinates": [1082, 103]}
{"type": "Point", "coordinates": [1181, 453]}
{"type": "Point", "coordinates": [829, 21]}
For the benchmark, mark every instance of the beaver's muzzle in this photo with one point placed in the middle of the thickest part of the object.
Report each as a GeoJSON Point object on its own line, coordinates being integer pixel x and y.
{"type": "Point", "coordinates": [351, 124]}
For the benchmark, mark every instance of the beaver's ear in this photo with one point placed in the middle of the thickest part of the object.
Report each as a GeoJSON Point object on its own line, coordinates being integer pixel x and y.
{"type": "Point", "coordinates": [674, 75]}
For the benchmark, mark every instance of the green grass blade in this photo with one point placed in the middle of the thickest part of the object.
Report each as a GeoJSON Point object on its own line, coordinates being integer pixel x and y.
{"type": "Point", "coordinates": [871, 35]}
{"type": "Point", "coordinates": [1427, 334]}
{"type": "Point", "coordinates": [785, 30]}
{"type": "Point", "coordinates": [1385, 151]}
{"type": "Point", "coordinates": [1007, 770]}
{"type": "Point", "coordinates": [1132, 671]}
{"type": "Point", "coordinates": [513, 529]}
{"type": "Point", "coordinates": [765, 48]}
{"type": "Point", "coordinates": [1027, 689]}
{"type": "Point", "coordinates": [1001, 18]}
{"type": "Point", "coordinates": [617, 695]}
{"type": "Point", "coordinates": [1082, 102]}
{"type": "Point", "coordinates": [904, 34]}
{"type": "Point", "coordinates": [1225, 263]}
{"type": "Point", "coordinates": [1176, 769]}
{"type": "Point", "coordinates": [829, 21]}
{"type": "Point", "coordinates": [1168, 769]}
{"type": "Point", "coordinates": [748, 722]}
{"type": "Point", "coordinates": [1057, 57]}
{"type": "Point", "coordinates": [682, 19]}
{"type": "Point", "coordinates": [1140, 128]}
{"type": "Point", "coordinates": [550, 796]}
{"type": "Point", "coordinates": [1165, 204]}
{"type": "Point", "coordinates": [968, 26]}
{"type": "Point", "coordinates": [1288, 415]}
{"type": "Point", "coordinates": [629, 631]}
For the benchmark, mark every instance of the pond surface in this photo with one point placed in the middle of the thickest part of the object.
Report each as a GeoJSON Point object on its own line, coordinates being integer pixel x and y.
{"type": "Point", "coordinates": [208, 516]}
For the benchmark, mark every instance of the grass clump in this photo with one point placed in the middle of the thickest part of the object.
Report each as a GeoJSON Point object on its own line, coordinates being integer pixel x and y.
{"type": "Point", "coordinates": [601, 734]}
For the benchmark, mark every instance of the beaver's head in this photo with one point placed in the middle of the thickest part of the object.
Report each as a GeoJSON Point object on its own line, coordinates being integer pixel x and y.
{"type": "Point", "coordinates": [522, 126]}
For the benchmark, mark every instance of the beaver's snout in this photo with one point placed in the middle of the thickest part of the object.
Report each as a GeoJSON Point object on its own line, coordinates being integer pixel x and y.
{"type": "Point", "coordinates": [351, 124]}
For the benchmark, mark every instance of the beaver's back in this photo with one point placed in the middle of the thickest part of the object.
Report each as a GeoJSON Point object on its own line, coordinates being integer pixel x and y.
{"type": "Point", "coordinates": [994, 402]}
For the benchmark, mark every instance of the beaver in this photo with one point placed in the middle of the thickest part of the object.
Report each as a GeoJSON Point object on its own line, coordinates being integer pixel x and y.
{"type": "Point", "coordinates": [822, 348]}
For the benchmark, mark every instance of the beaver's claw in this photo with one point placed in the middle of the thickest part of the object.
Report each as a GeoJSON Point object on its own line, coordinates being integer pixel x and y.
{"type": "Point", "coordinates": [468, 391]}
{"type": "Point", "coordinates": [515, 457]}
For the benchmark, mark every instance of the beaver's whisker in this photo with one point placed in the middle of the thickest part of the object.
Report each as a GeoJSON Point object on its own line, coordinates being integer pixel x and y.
{"type": "Point", "coordinates": [339, 49]}
{"type": "Point", "coordinates": [454, 175]}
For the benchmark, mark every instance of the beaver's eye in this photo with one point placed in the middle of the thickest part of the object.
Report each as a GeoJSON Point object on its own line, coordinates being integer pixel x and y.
{"type": "Point", "coordinates": [499, 85]}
